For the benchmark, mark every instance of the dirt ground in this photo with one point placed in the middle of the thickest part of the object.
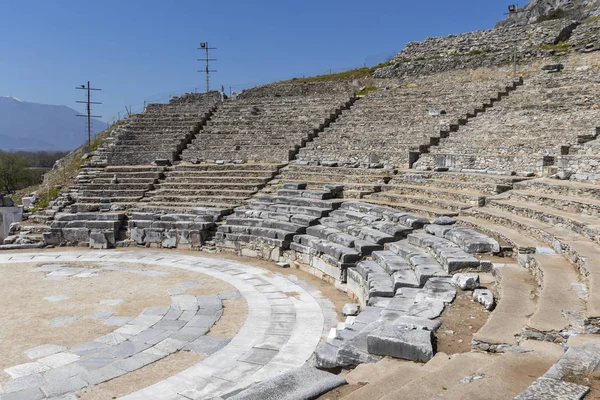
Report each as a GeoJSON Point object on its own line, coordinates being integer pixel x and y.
{"type": "Point", "coordinates": [462, 319]}
{"type": "Point", "coordinates": [26, 314]}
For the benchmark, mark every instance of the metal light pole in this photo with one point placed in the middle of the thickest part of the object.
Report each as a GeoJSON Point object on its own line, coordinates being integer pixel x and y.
{"type": "Point", "coordinates": [513, 11]}
{"type": "Point", "coordinates": [207, 59]}
{"type": "Point", "coordinates": [89, 112]}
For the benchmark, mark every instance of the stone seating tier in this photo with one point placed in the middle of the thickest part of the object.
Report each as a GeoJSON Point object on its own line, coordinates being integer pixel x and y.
{"type": "Point", "coordinates": [404, 116]}
{"type": "Point", "coordinates": [97, 230]}
{"type": "Point", "coordinates": [96, 189]}
{"type": "Point", "coordinates": [209, 185]}
{"type": "Point", "coordinates": [402, 287]}
{"type": "Point", "coordinates": [265, 128]}
{"type": "Point", "coordinates": [530, 130]}
{"type": "Point", "coordinates": [480, 49]}
{"type": "Point", "coordinates": [162, 131]}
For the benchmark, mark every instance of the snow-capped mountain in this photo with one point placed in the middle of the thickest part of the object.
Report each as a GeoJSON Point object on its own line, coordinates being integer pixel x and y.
{"type": "Point", "coordinates": [34, 126]}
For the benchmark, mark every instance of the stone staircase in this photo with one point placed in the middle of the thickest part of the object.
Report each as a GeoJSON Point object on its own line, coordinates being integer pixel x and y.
{"type": "Point", "coordinates": [116, 188]}
{"type": "Point", "coordinates": [403, 286]}
{"type": "Point", "coordinates": [161, 132]}
{"type": "Point", "coordinates": [529, 131]}
{"type": "Point", "coordinates": [408, 118]}
{"type": "Point", "coordinates": [268, 127]}
{"type": "Point", "coordinates": [266, 226]}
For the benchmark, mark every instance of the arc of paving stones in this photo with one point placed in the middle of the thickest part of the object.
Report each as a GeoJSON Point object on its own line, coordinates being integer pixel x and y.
{"type": "Point", "coordinates": [285, 324]}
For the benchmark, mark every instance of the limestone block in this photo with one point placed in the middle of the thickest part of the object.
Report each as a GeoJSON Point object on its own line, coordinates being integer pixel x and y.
{"type": "Point", "coordinates": [351, 309]}
{"type": "Point", "coordinates": [394, 341]}
{"type": "Point", "coordinates": [484, 297]}
{"type": "Point", "coordinates": [154, 236]}
{"type": "Point", "coordinates": [98, 240]}
{"type": "Point", "coordinates": [410, 322]}
{"type": "Point", "coordinates": [444, 221]}
{"type": "Point", "coordinates": [170, 239]}
{"type": "Point", "coordinates": [466, 281]}
{"type": "Point", "coordinates": [300, 383]}
{"type": "Point", "coordinates": [138, 235]}
{"type": "Point", "coordinates": [76, 235]}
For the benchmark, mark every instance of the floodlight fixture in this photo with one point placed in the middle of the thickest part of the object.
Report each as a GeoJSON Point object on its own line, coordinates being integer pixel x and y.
{"type": "Point", "coordinates": [203, 45]}
{"type": "Point", "coordinates": [512, 8]}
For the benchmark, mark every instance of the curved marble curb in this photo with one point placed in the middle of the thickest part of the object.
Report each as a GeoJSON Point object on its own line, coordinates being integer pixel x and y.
{"type": "Point", "coordinates": [284, 326]}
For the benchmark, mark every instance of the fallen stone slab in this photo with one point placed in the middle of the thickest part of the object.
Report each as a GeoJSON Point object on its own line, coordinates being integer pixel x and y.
{"type": "Point", "coordinates": [427, 309]}
{"type": "Point", "coordinates": [351, 309]}
{"type": "Point", "coordinates": [466, 281]}
{"type": "Point", "coordinates": [440, 289]}
{"type": "Point", "coordinates": [301, 383]}
{"type": "Point", "coordinates": [484, 297]}
{"type": "Point", "coordinates": [472, 241]}
{"type": "Point", "coordinates": [398, 342]}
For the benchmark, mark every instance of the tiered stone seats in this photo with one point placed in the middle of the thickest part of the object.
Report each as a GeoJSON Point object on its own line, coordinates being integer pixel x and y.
{"type": "Point", "coordinates": [357, 182]}
{"type": "Point", "coordinates": [582, 162]}
{"type": "Point", "coordinates": [526, 132]}
{"type": "Point", "coordinates": [160, 132]}
{"type": "Point", "coordinates": [403, 289]}
{"type": "Point", "coordinates": [113, 188]}
{"type": "Point", "coordinates": [181, 210]}
{"type": "Point", "coordinates": [98, 230]}
{"type": "Point", "coordinates": [390, 127]}
{"type": "Point", "coordinates": [435, 194]}
{"type": "Point", "coordinates": [270, 125]}
{"type": "Point", "coordinates": [586, 38]}
{"type": "Point", "coordinates": [346, 236]}
{"type": "Point", "coordinates": [168, 229]}
{"type": "Point", "coordinates": [564, 216]}
{"type": "Point", "coordinates": [209, 185]}
{"type": "Point", "coordinates": [471, 50]}
{"type": "Point", "coordinates": [268, 223]}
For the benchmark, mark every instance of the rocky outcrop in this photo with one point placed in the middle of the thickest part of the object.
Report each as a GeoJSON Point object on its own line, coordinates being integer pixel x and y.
{"type": "Point", "coordinates": [537, 10]}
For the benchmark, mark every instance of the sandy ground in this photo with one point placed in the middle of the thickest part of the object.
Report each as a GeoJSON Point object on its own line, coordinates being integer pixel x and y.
{"type": "Point", "coordinates": [26, 315]}
{"type": "Point", "coordinates": [463, 318]}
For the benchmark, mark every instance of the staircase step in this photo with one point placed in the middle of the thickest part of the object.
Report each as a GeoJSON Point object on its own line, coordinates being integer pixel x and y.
{"type": "Point", "coordinates": [516, 305]}
{"type": "Point", "coordinates": [412, 208]}
{"type": "Point", "coordinates": [404, 200]}
{"type": "Point", "coordinates": [558, 294]}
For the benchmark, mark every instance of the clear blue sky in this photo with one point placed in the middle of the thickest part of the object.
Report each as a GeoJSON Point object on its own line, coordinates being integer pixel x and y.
{"type": "Point", "coordinates": [138, 50]}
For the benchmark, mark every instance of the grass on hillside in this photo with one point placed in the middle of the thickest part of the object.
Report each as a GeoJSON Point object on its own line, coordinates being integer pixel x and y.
{"type": "Point", "coordinates": [592, 19]}
{"type": "Point", "coordinates": [359, 73]}
{"type": "Point", "coordinates": [560, 46]}
{"type": "Point", "coordinates": [366, 90]}
{"type": "Point", "coordinates": [64, 175]}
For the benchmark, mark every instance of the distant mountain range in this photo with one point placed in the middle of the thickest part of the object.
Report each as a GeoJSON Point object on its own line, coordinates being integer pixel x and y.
{"type": "Point", "coordinates": [35, 127]}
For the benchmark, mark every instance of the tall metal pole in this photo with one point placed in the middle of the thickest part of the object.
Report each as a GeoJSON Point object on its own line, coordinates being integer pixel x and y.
{"type": "Point", "coordinates": [204, 46]}
{"type": "Point", "coordinates": [513, 11]}
{"type": "Point", "coordinates": [207, 71]}
{"type": "Point", "coordinates": [89, 115]}
{"type": "Point", "coordinates": [89, 118]}
{"type": "Point", "coordinates": [515, 42]}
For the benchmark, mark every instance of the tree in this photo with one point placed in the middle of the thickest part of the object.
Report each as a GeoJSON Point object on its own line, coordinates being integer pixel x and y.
{"type": "Point", "coordinates": [13, 171]}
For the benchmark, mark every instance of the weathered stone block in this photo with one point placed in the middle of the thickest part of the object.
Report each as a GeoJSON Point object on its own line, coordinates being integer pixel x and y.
{"type": "Point", "coordinates": [394, 341]}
